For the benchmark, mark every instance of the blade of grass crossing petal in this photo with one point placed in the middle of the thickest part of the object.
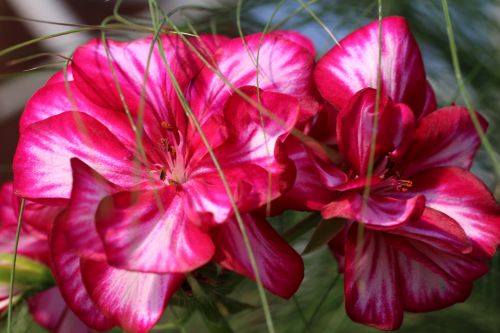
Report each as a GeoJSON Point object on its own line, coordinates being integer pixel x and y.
{"type": "Point", "coordinates": [261, 116]}
{"type": "Point", "coordinates": [371, 157]}
{"type": "Point", "coordinates": [307, 140]}
{"type": "Point", "coordinates": [248, 246]}
{"type": "Point", "coordinates": [13, 272]}
{"type": "Point", "coordinates": [461, 85]}
{"type": "Point", "coordinates": [257, 74]}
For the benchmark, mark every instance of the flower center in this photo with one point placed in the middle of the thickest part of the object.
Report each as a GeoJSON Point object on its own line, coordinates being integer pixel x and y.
{"type": "Point", "coordinates": [391, 179]}
{"type": "Point", "coordinates": [173, 147]}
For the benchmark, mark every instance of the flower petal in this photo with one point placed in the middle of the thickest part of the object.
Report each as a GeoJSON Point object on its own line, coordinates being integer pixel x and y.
{"type": "Point", "coordinates": [89, 189]}
{"type": "Point", "coordinates": [33, 245]}
{"type": "Point", "coordinates": [284, 66]}
{"type": "Point", "coordinates": [352, 66]}
{"type": "Point", "coordinates": [380, 212]}
{"type": "Point", "coordinates": [42, 167]}
{"type": "Point", "coordinates": [438, 230]}
{"type": "Point", "coordinates": [57, 98]}
{"type": "Point", "coordinates": [249, 185]}
{"type": "Point", "coordinates": [66, 271]}
{"type": "Point", "coordinates": [135, 301]}
{"type": "Point", "coordinates": [371, 282]}
{"type": "Point", "coordinates": [355, 126]}
{"type": "Point", "coordinates": [280, 268]}
{"type": "Point", "coordinates": [313, 183]}
{"type": "Point", "coordinates": [148, 231]}
{"type": "Point", "coordinates": [49, 310]}
{"type": "Point", "coordinates": [423, 290]}
{"type": "Point", "coordinates": [457, 266]}
{"type": "Point", "coordinates": [95, 78]}
{"type": "Point", "coordinates": [253, 136]}
{"type": "Point", "coordinates": [446, 137]}
{"type": "Point", "coordinates": [297, 38]}
{"type": "Point", "coordinates": [463, 197]}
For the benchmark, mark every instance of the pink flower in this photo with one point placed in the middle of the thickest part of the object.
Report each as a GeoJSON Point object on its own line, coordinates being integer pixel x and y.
{"type": "Point", "coordinates": [428, 224]}
{"type": "Point", "coordinates": [136, 222]}
{"type": "Point", "coordinates": [47, 307]}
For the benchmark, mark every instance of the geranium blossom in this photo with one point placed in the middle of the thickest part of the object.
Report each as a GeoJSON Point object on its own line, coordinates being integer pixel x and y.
{"type": "Point", "coordinates": [47, 307]}
{"type": "Point", "coordinates": [142, 213]}
{"type": "Point", "coordinates": [428, 223]}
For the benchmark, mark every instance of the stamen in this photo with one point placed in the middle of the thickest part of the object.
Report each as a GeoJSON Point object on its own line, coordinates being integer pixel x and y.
{"type": "Point", "coordinates": [173, 182]}
{"type": "Point", "coordinates": [402, 185]}
{"type": "Point", "coordinates": [163, 174]}
{"type": "Point", "coordinates": [172, 151]}
{"type": "Point", "coordinates": [167, 126]}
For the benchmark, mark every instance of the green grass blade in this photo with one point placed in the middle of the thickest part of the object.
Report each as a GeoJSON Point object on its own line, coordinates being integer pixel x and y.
{"type": "Point", "coordinates": [13, 272]}
{"type": "Point", "coordinates": [461, 85]}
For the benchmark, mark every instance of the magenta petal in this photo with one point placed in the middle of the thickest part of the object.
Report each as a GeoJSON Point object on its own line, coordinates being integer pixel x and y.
{"type": "Point", "coordinates": [463, 197]}
{"type": "Point", "coordinates": [66, 271]}
{"type": "Point", "coordinates": [311, 189]}
{"type": "Point", "coordinates": [355, 129]}
{"type": "Point", "coordinates": [402, 129]}
{"type": "Point", "coordinates": [446, 137]}
{"type": "Point", "coordinates": [371, 282]}
{"type": "Point", "coordinates": [352, 66]}
{"type": "Point", "coordinates": [423, 290]}
{"type": "Point", "coordinates": [89, 188]}
{"type": "Point", "coordinates": [94, 77]}
{"type": "Point", "coordinates": [253, 136]}
{"type": "Point", "coordinates": [135, 301]}
{"type": "Point", "coordinates": [438, 230]}
{"type": "Point", "coordinates": [379, 212]}
{"type": "Point", "coordinates": [61, 76]}
{"type": "Point", "coordinates": [148, 231]}
{"type": "Point", "coordinates": [249, 185]}
{"type": "Point", "coordinates": [281, 269]}
{"type": "Point", "coordinates": [297, 38]}
{"type": "Point", "coordinates": [49, 310]}
{"type": "Point", "coordinates": [33, 245]}
{"type": "Point", "coordinates": [284, 66]}
{"type": "Point", "coordinates": [42, 162]}
{"type": "Point", "coordinates": [61, 97]}
{"type": "Point", "coordinates": [457, 266]}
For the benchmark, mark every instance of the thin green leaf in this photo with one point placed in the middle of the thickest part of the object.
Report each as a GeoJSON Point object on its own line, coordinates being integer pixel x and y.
{"type": "Point", "coordinates": [13, 272]}
{"type": "Point", "coordinates": [463, 90]}
{"type": "Point", "coordinates": [30, 274]}
{"type": "Point", "coordinates": [326, 230]}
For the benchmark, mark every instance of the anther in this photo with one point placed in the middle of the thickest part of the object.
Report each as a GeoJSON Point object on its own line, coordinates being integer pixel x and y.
{"type": "Point", "coordinates": [167, 126]}
{"type": "Point", "coordinates": [163, 174]}
{"type": "Point", "coordinates": [173, 183]}
{"type": "Point", "coordinates": [172, 151]}
{"type": "Point", "coordinates": [402, 185]}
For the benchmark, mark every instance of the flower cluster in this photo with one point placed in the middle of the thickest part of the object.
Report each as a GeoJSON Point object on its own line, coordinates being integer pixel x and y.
{"type": "Point", "coordinates": [146, 160]}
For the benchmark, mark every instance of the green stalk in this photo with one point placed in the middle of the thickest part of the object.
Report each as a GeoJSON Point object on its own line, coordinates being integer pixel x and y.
{"type": "Point", "coordinates": [463, 90]}
{"type": "Point", "coordinates": [237, 214]}
{"type": "Point", "coordinates": [13, 272]}
{"type": "Point", "coordinates": [371, 157]}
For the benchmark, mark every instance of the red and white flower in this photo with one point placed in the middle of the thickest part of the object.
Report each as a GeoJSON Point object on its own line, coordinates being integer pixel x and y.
{"type": "Point", "coordinates": [47, 307]}
{"type": "Point", "coordinates": [142, 213]}
{"type": "Point", "coordinates": [422, 235]}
